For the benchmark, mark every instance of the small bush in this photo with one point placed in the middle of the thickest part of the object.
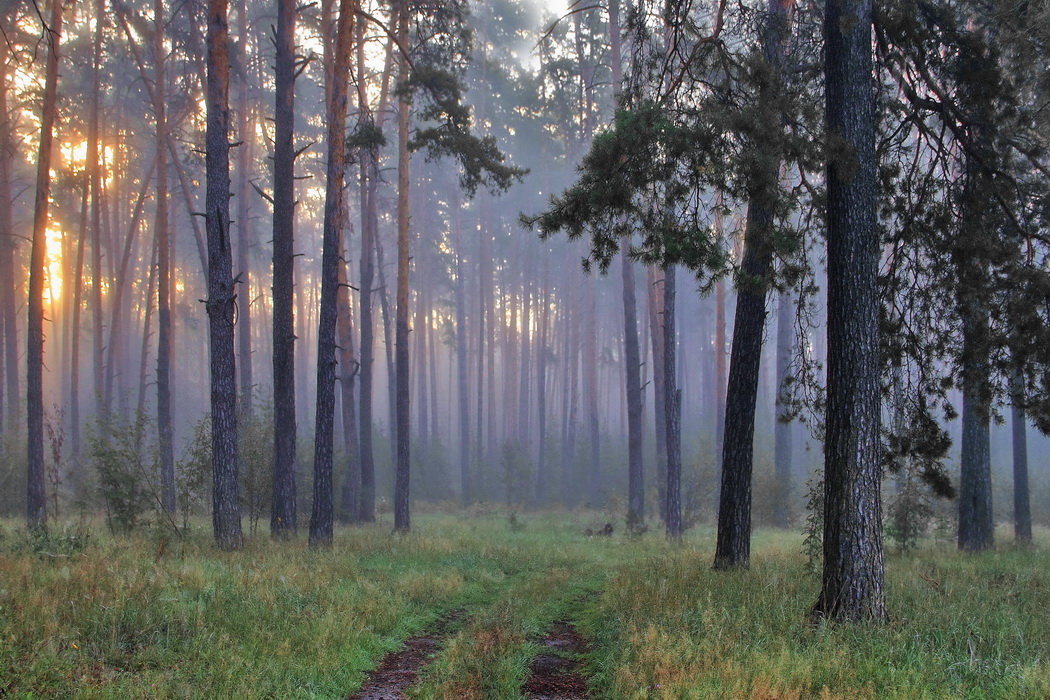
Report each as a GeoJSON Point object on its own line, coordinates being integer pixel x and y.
{"type": "Point", "coordinates": [126, 464]}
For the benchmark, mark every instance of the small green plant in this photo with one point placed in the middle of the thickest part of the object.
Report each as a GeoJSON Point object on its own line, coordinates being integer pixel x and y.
{"type": "Point", "coordinates": [909, 513]}
{"type": "Point", "coordinates": [193, 472]}
{"type": "Point", "coordinates": [813, 532]}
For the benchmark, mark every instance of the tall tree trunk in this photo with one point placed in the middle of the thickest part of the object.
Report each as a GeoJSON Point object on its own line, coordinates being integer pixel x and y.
{"type": "Point", "coordinates": [9, 291]}
{"type": "Point", "coordinates": [654, 277]}
{"type": "Point", "coordinates": [1022, 499]}
{"type": "Point", "coordinates": [245, 127]}
{"type": "Point", "coordinates": [853, 572]}
{"type": "Point", "coordinates": [75, 308]}
{"type": "Point", "coordinates": [672, 412]}
{"type": "Point", "coordinates": [283, 517]}
{"type": "Point", "coordinates": [321, 514]}
{"type": "Point", "coordinates": [403, 423]}
{"type": "Point", "coordinates": [221, 304]}
{"type": "Point", "coordinates": [485, 379]}
{"type": "Point", "coordinates": [976, 519]}
{"type": "Point", "coordinates": [632, 367]}
{"type": "Point", "coordinates": [590, 389]}
{"type": "Point", "coordinates": [542, 353]}
{"type": "Point", "coordinates": [350, 496]}
{"type": "Point", "coordinates": [462, 367]}
{"type": "Point", "coordinates": [632, 353]}
{"type": "Point", "coordinates": [368, 233]}
{"type": "Point", "coordinates": [95, 176]}
{"type": "Point", "coordinates": [36, 499]}
{"type": "Point", "coordinates": [164, 326]}
{"type": "Point", "coordinates": [733, 548]}
{"type": "Point", "coordinates": [782, 431]}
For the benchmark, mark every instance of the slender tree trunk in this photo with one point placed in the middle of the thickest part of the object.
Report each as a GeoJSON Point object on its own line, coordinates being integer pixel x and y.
{"type": "Point", "coordinates": [632, 367]}
{"type": "Point", "coordinates": [36, 498]}
{"type": "Point", "coordinates": [76, 303]}
{"type": "Point", "coordinates": [484, 293]}
{"type": "Point", "coordinates": [368, 233]}
{"type": "Point", "coordinates": [782, 431]}
{"type": "Point", "coordinates": [9, 287]}
{"type": "Point", "coordinates": [656, 333]}
{"type": "Point", "coordinates": [1022, 499]}
{"type": "Point", "coordinates": [462, 360]}
{"type": "Point", "coordinates": [403, 423]}
{"type": "Point", "coordinates": [164, 326]}
{"type": "Point", "coordinates": [147, 331]}
{"type": "Point", "coordinates": [542, 353]}
{"type": "Point", "coordinates": [350, 497]}
{"type": "Point", "coordinates": [733, 548]}
{"type": "Point", "coordinates": [245, 127]}
{"type": "Point", "coordinates": [388, 344]}
{"type": "Point", "coordinates": [853, 573]}
{"type": "Point", "coordinates": [321, 514]}
{"type": "Point", "coordinates": [95, 176]}
{"type": "Point", "coordinates": [590, 388]}
{"type": "Point", "coordinates": [283, 517]}
{"type": "Point", "coordinates": [221, 304]}
{"type": "Point", "coordinates": [672, 411]}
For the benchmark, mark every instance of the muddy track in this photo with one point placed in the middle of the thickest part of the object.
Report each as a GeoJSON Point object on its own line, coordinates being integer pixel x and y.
{"type": "Point", "coordinates": [556, 672]}
{"type": "Point", "coordinates": [400, 669]}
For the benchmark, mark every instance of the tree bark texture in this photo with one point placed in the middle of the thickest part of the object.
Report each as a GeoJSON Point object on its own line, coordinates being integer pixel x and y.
{"type": "Point", "coordinates": [853, 571]}
{"type": "Point", "coordinates": [222, 297]}
{"type": "Point", "coordinates": [402, 521]}
{"type": "Point", "coordinates": [36, 498]}
{"type": "Point", "coordinates": [283, 516]}
{"type": "Point", "coordinates": [321, 513]}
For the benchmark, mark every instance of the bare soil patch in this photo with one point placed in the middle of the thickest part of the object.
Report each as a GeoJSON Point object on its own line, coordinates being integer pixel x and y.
{"type": "Point", "coordinates": [555, 673]}
{"type": "Point", "coordinates": [400, 669]}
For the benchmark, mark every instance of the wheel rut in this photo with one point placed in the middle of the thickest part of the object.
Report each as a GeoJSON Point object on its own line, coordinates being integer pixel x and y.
{"type": "Point", "coordinates": [556, 672]}
{"type": "Point", "coordinates": [400, 669]}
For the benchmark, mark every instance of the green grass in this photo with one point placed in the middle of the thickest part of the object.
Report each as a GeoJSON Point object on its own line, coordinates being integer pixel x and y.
{"type": "Point", "coordinates": [134, 618]}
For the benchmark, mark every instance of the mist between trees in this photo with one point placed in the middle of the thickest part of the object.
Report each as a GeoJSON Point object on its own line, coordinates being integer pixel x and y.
{"type": "Point", "coordinates": [296, 264]}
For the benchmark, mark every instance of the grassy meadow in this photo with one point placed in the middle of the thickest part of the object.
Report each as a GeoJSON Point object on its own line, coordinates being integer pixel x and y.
{"type": "Point", "coordinates": [85, 614]}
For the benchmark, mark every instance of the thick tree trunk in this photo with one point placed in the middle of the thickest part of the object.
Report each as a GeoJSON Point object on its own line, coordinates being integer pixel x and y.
{"type": "Point", "coordinates": [782, 431]}
{"type": "Point", "coordinates": [164, 334]}
{"type": "Point", "coordinates": [283, 517]}
{"type": "Point", "coordinates": [672, 411]}
{"type": "Point", "coordinates": [321, 514]}
{"type": "Point", "coordinates": [853, 573]}
{"type": "Point", "coordinates": [402, 521]}
{"type": "Point", "coordinates": [36, 498]}
{"type": "Point", "coordinates": [1022, 498]}
{"type": "Point", "coordinates": [976, 519]}
{"type": "Point", "coordinates": [221, 304]}
{"type": "Point", "coordinates": [976, 523]}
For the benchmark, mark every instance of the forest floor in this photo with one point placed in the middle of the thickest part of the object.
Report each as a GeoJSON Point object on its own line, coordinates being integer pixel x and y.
{"type": "Point", "coordinates": [511, 607]}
